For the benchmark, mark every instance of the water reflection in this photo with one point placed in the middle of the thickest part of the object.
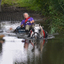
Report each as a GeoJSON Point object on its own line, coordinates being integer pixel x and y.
{"type": "Point", "coordinates": [33, 50]}
{"type": "Point", "coordinates": [27, 43]}
{"type": "Point", "coordinates": [21, 51]}
{"type": "Point", "coordinates": [1, 43]}
{"type": "Point", "coordinates": [0, 50]}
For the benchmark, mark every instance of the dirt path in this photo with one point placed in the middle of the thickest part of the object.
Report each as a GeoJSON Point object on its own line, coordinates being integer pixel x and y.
{"type": "Point", "coordinates": [16, 14]}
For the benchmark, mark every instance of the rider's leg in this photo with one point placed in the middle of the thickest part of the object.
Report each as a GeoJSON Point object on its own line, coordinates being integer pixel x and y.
{"type": "Point", "coordinates": [32, 27]}
{"type": "Point", "coordinates": [27, 27]}
{"type": "Point", "coordinates": [18, 28]}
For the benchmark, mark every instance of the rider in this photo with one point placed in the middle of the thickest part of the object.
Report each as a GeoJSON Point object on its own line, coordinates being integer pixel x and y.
{"type": "Point", "coordinates": [28, 22]}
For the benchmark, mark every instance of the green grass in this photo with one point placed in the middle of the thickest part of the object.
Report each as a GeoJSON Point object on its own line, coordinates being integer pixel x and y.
{"type": "Point", "coordinates": [17, 3]}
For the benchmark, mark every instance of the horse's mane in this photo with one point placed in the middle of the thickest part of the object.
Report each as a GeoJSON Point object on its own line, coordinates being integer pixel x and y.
{"type": "Point", "coordinates": [36, 25]}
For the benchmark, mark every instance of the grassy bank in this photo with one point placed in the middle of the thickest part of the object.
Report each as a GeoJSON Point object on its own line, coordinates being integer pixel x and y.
{"type": "Point", "coordinates": [53, 9]}
{"type": "Point", "coordinates": [17, 3]}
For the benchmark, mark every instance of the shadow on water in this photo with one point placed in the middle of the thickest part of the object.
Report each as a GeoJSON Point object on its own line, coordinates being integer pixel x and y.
{"type": "Point", "coordinates": [0, 48]}
{"type": "Point", "coordinates": [1, 45]}
{"type": "Point", "coordinates": [0, 52]}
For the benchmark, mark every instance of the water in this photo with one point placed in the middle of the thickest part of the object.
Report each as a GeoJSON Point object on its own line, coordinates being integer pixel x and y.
{"type": "Point", "coordinates": [20, 51]}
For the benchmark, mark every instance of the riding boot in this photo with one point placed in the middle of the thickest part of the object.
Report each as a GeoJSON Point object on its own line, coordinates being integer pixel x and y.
{"type": "Point", "coordinates": [27, 32]}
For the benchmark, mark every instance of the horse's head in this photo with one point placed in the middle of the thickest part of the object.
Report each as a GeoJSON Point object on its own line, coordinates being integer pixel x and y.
{"type": "Point", "coordinates": [37, 30]}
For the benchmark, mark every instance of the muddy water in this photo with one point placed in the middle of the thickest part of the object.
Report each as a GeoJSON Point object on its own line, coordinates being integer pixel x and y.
{"type": "Point", "coordinates": [20, 51]}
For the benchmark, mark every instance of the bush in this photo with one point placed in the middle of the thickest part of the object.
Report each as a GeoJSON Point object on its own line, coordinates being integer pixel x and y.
{"type": "Point", "coordinates": [52, 8]}
{"type": "Point", "coordinates": [56, 25]}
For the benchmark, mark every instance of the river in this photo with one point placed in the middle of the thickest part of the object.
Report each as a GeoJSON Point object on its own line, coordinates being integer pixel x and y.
{"type": "Point", "coordinates": [23, 51]}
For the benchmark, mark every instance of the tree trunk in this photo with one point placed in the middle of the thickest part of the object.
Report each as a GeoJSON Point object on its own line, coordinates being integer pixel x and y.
{"type": "Point", "coordinates": [0, 5]}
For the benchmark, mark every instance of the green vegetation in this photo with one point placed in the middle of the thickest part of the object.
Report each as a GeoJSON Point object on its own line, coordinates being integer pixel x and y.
{"type": "Point", "coordinates": [53, 9]}
{"type": "Point", "coordinates": [17, 3]}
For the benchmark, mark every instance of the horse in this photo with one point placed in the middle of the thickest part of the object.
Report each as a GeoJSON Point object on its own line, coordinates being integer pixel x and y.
{"type": "Point", "coordinates": [38, 32]}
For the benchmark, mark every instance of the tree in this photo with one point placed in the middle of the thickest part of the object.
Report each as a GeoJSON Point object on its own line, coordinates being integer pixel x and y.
{"type": "Point", "coordinates": [0, 5]}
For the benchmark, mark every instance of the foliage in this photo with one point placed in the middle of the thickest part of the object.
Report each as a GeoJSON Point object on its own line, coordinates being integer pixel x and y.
{"type": "Point", "coordinates": [52, 8]}
{"type": "Point", "coordinates": [55, 10]}
{"type": "Point", "coordinates": [57, 24]}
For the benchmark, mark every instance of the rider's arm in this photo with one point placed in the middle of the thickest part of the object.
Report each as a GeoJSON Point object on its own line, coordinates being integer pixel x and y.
{"type": "Point", "coordinates": [31, 20]}
{"type": "Point", "coordinates": [22, 23]}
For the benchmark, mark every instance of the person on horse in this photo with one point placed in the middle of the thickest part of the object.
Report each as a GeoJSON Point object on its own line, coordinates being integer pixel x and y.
{"type": "Point", "coordinates": [28, 22]}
